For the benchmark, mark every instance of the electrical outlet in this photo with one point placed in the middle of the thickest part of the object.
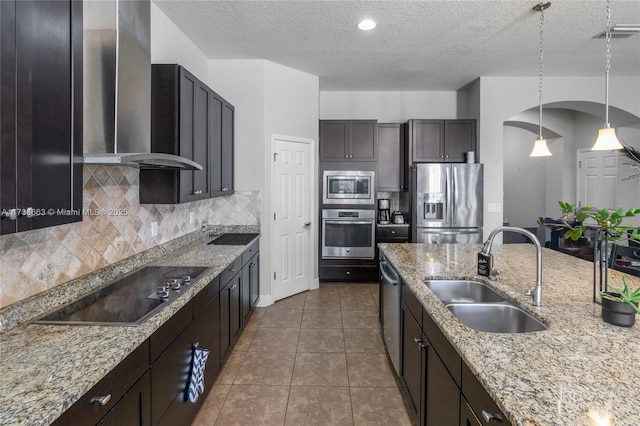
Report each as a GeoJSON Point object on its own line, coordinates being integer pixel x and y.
{"type": "Point", "coordinates": [494, 207]}
{"type": "Point", "coordinates": [154, 229]}
{"type": "Point", "coordinates": [192, 217]}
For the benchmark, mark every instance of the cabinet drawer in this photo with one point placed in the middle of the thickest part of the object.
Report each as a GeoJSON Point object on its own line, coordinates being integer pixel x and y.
{"type": "Point", "coordinates": [412, 303]}
{"type": "Point", "coordinates": [447, 353]}
{"type": "Point", "coordinates": [206, 296]}
{"type": "Point", "coordinates": [116, 384]}
{"type": "Point", "coordinates": [250, 252]}
{"type": "Point", "coordinates": [169, 331]}
{"type": "Point", "coordinates": [230, 271]}
{"type": "Point", "coordinates": [386, 232]}
{"type": "Point", "coordinates": [479, 400]}
{"type": "Point", "coordinates": [348, 273]}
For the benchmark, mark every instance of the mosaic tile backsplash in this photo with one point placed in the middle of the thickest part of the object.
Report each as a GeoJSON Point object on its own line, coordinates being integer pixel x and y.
{"type": "Point", "coordinates": [34, 261]}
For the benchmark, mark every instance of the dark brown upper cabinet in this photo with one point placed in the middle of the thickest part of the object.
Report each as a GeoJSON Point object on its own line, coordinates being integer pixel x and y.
{"type": "Point", "coordinates": [40, 114]}
{"type": "Point", "coordinates": [181, 117]}
{"type": "Point", "coordinates": [348, 140]}
{"type": "Point", "coordinates": [392, 176]}
{"type": "Point", "coordinates": [222, 147]}
{"type": "Point", "coordinates": [438, 141]}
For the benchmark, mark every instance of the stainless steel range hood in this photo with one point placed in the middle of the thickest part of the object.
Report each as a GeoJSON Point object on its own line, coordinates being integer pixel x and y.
{"type": "Point", "coordinates": [117, 87]}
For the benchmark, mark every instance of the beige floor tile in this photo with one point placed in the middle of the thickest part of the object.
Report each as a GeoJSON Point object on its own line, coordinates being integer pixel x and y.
{"type": "Point", "coordinates": [322, 301]}
{"type": "Point", "coordinates": [319, 406]}
{"type": "Point", "coordinates": [320, 369]}
{"type": "Point", "coordinates": [364, 340]}
{"type": "Point", "coordinates": [354, 288]}
{"type": "Point", "coordinates": [289, 318]}
{"type": "Point", "coordinates": [358, 302]}
{"type": "Point", "coordinates": [275, 340]}
{"type": "Point", "coordinates": [263, 368]}
{"type": "Point", "coordinates": [243, 343]}
{"type": "Point", "coordinates": [254, 405]}
{"type": "Point", "coordinates": [378, 406]}
{"type": "Point", "coordinates": [321, 340]}
{"type": "Point", "coordinates": [293, 302]}
{"type": "Point", "coordinates": [208, 413]}
{"type": "Point", "coordinates": [370, 370]}
{"type": "Point", "coordinates": [230, 369]}
{"type": "Point", "coordinates": [360, 319]}
{"type": "Point", "coordinates": [321, 319]}
{"type": "Point", "coordinates": [254, 321]}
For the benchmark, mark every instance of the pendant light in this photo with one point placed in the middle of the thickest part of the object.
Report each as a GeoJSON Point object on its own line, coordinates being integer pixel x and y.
{"type": "Point", "coordinates": [540, 148]}
{"type": "Point", "coordinates": [607, 140]}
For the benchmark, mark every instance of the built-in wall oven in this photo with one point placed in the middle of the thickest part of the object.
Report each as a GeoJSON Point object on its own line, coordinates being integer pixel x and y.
{"type": "Point", "coordinates": [348, 187]}
{"type": "Point", "coordinates": [348, 234]}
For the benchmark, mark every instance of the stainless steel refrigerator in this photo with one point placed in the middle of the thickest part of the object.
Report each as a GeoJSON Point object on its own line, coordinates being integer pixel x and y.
{"type": "Point", "coordinates": [447, 203]}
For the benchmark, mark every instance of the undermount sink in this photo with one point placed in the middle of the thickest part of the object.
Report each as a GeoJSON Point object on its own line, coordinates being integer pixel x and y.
{"type": "Point", "coordinates": [480, 307]}
{"type": "Point", "coordinates": [463, 291]}
{"type": "Point", "coordinates": [495, 318]}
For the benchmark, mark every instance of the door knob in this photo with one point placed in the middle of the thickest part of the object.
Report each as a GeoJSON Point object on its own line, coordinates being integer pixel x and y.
{"type": "Point", "coordinates": [307, 225]}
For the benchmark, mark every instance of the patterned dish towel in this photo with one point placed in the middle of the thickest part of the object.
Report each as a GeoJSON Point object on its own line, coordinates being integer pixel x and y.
{"type": "Point", "coordinates": [196, 377]}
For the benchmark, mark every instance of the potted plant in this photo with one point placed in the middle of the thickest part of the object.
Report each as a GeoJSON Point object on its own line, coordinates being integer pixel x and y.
{"type": "Point", "coordinates": [619, 307]}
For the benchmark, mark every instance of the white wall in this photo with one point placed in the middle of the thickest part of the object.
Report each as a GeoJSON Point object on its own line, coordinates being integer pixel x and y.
{"type": "Point", "coordinates": [169, 45]}
{"type": "Point", "coordinates": [392, 107]}
{"type": "Point", "coordinates": [503, 97]}
{"type": "Point", "coordinates": [268, 99]}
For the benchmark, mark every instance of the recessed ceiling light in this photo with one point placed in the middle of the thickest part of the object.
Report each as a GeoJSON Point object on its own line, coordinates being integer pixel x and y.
{"type": "Point", "coordinates": [366, 25]}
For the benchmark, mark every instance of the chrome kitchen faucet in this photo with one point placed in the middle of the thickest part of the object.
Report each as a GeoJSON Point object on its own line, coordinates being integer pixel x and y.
{"type": "Point", "coordinates": [536, 293]}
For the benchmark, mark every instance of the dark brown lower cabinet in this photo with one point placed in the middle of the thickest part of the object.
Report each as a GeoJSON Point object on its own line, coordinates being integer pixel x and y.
{"type": "Point", "coordinates": [442, 405]}
{"type": "Point", "coordinates": [467, 418]}
{"type": "Point", "coordinates": [413, 361]}
{"type": "Point", "coordinates": [230, 315]}
{"type": "Point", "coordinates": [134, 407]}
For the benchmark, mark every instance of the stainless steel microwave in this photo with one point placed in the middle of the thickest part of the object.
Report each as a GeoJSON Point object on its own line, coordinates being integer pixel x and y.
{"type": "Point", "coordinates": [348, 187]}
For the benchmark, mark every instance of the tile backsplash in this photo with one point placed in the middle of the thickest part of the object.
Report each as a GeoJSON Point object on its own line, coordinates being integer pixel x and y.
{"type": "Point", "coordinates": [114, 226]}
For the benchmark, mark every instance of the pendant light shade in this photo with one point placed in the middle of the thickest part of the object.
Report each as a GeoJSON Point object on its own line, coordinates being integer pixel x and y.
{"type": "Point", "coordinates": [540, 148]}
{"type": "Point", "coordinates": [607, 139]}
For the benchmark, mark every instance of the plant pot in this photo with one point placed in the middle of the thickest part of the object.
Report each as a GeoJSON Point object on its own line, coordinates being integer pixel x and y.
{"type": "Point", "coordinates": [617, 313]}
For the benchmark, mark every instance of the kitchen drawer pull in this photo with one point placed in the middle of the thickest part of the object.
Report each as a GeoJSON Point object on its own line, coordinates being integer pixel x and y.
{"type": "Point", "coordinates": [421, 343]}
{"type": "Point", "coordinates": [102, 400]}
{"type": "Point", "coordinates": [233, 287]}
{"type": "Point", "coordinates": [233, 269]}
{"type": "Point", "coordinates": [488, 417]}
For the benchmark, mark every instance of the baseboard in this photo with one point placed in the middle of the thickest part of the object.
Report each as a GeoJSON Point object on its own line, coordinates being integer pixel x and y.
{"type": "Point", "coordinates": [264, 301]}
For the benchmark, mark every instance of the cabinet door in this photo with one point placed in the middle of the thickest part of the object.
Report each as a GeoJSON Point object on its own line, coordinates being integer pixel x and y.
{"type": "Point", "coordinates": [459, 137]}
{"type": "Point", "coordinates": [195, 104]}
{"type": "Point", "coordinates": [228, 137]}
{"type": "Point", "coordinates": [216, 145]}
{"type": "Point", "coordinates": [230, 316]}
{"type": "Point", "coordinates": [427, 141]}
{"type": "Point", "coordinates": [254, 280]}
{"type": "Point", "coordinates": [442, 396]}
{"type": "Point", "coordinates": [334, 136]}
{"type": "Point", "coordinates": [41, 114]}
{"type": "Point", "coordinates": [363, 140]}
{"type": "Point", "coordinates": [467, 417]}
{"type": "Point", "coordinates": [392, 157]}
{"type": "Point", "coordinates": [134, 408]}
{"type": "Point", "coordinates": [413, 360]}
{"type": "Point", "coordinates": [245, 294]}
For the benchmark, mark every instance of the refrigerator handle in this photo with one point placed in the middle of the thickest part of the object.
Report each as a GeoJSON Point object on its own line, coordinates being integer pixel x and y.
{"type": "Point", "coordinates": [454, 195]}
{"type": "Point", "coordinates": [448, 189]}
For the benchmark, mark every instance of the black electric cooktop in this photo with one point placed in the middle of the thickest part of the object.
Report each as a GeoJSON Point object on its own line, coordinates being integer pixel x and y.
{"type": "Point", "coordinates": [233, 239]}
{"type": "Point", "coordinates": [129, 301]}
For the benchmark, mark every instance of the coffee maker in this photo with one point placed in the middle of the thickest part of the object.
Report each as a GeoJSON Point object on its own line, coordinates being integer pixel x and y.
{"type": "Point", "coordinates": [384, 211]}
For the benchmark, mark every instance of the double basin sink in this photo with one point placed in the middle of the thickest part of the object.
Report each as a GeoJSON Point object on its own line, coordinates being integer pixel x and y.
{"type": "Point", "coordinates": [478, 306]}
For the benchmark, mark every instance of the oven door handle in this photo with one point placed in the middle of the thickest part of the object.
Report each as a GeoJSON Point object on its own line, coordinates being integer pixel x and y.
{"type": "Point", "coordinates": [349, 222]}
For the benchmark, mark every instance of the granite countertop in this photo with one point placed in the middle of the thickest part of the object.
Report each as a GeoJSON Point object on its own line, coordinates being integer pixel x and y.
{"type": "Point", "coordinates": [580, 371]}
{"type": "Point", "coordinates": [44, 369]}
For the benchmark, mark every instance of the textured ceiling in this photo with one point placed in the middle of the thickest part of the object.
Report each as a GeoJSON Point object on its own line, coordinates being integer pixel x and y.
{"type": "Point", "coordinates": [417, 45]}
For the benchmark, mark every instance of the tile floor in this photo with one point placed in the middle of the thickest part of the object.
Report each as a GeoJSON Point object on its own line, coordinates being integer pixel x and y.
{"type": "Point", "coordinates": [314, 358]}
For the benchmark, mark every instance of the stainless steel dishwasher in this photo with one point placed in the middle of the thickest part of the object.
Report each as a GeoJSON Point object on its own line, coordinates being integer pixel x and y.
{"type": "Point", "coordinates": [390, 282]}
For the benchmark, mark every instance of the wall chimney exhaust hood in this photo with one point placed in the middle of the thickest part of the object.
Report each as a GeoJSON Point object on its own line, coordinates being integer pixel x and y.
{"type": "Point", "coordinates": [117, 87]}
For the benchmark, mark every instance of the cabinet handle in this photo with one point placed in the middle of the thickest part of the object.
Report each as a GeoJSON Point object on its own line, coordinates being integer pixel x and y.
{"type": "Point", "coordinates": [11, 214]}
{"type": "Point", "coordinates": [232, 270]}
{"type": "Point", "coordinates": [488, 417]}
{"type": "Point", "coordinates": [102, 400]}
{"type": "Point", "coordinates": [421, 343]}
{"type": "Point", "coordinates": [225, 189]}
{"type": "Point", "coordinates": [393, 232]}
{"type": "Point", "coordinates": [233, 287]}
{"type": "Point", "coordinates": [198, 192]}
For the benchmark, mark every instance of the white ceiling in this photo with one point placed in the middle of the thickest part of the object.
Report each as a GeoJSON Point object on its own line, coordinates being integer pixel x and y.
{"type": "Point", "coordinates": [417, 45]}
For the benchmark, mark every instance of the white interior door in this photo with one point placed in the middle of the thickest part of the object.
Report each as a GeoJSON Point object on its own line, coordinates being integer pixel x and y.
{"type": "Point", "coordinates": [597, 176]}
{"type": "Point", "coordinates": [291, 229]}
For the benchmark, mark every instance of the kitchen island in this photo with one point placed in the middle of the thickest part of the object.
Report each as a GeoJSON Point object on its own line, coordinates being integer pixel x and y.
{"type": "Point", "coordinates": [45, 369]}
{"type": "Point", "coordinates": [580, 371]}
